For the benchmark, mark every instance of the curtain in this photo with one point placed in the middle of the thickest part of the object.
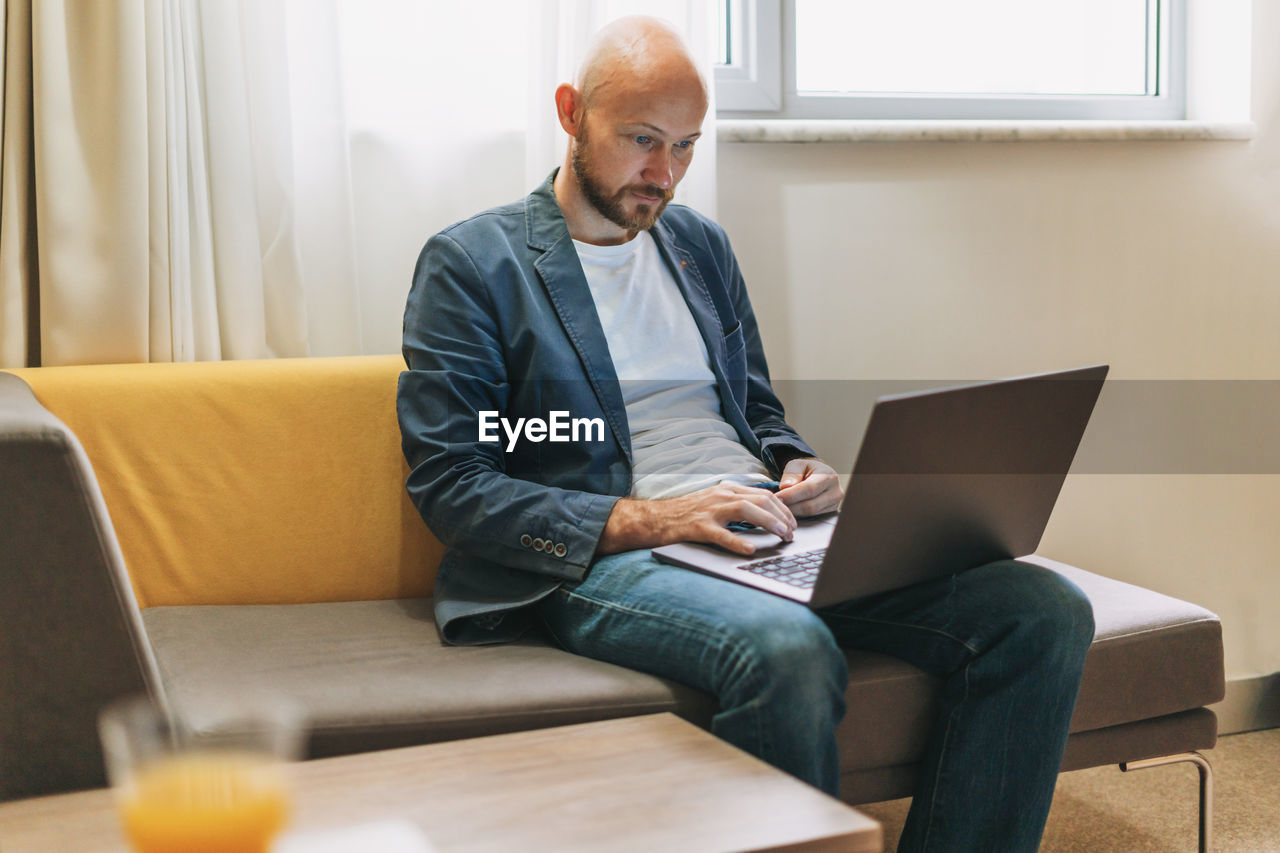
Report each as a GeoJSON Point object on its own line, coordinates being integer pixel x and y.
{"type": "Point", "coordinates": [203, 179]}
{"type": "Point", "coordinates": [450, 112]}
{"type": "Point", "coordinates": [19, 337]}
{"type": "Point", "coordinates": [167, 164]}
{"type": "Point", "coordinates": [559, 33]}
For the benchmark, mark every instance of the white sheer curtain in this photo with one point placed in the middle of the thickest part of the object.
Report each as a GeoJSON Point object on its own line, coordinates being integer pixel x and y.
{"type": "Point", "coordinates": [451, 112]}
{"type": "Point", "coordinates": [259, 232]}
{"type": "Point", "coordinates": [203, 179]}
{"type": "Point", "coordinates": [189, 179]}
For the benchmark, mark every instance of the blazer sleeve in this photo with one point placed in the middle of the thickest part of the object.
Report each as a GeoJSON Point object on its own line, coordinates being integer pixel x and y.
{"type": "Point", "coordinates": [456, 368]}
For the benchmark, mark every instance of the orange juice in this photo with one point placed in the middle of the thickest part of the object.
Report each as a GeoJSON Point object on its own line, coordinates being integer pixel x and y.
{"type": "Point", "coordinates": [205, 802]}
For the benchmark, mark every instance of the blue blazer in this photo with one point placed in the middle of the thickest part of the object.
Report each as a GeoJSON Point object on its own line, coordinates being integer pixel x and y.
{"type": "Point", "coordinates": [500, 319]}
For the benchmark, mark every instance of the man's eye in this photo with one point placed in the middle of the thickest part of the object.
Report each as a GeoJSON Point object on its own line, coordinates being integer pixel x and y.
{"type": "Point", "coordinates": [643, 140]}
{"type": "Point", "coordinates": [685, 144]}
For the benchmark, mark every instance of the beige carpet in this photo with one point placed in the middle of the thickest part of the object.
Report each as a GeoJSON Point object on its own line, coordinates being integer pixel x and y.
{"type": "Point", "coordinates": [1154, 811]}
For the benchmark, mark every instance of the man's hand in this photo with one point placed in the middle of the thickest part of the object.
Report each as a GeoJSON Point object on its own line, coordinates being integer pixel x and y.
{"type": "Point", "coordinates": [810, 487]}
{"type": "Point", "coordinates": [698, 517]}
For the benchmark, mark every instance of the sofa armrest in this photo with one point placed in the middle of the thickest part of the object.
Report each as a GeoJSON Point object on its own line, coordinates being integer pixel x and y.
{"type": "Point", "coordinates": [71, 635]}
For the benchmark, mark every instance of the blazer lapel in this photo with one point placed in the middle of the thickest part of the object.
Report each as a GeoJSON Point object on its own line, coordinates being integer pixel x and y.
{"type": "Point", "coordinates": [566, 285]}
{"type": "Point", "coordinates": [702, 305]}
{"type": "Point", "coordinates": [687, 275]}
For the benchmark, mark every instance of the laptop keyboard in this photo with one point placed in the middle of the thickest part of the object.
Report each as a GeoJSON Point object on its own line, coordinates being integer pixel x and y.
{"type": "Point", "coordinates": [799, 569]}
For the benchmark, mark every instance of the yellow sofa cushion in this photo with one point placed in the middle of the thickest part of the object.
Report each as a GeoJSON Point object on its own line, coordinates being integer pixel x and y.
{"type": "Point", "coordinates": [250, 482]}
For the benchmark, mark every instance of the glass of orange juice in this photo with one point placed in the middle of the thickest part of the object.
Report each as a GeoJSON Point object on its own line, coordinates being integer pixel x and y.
{"type": "Point", "coordinates": [201, 780]}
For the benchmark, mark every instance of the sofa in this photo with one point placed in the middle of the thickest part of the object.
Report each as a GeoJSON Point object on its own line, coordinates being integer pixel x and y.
{"type": "Point", "coordinates": [203, 530]}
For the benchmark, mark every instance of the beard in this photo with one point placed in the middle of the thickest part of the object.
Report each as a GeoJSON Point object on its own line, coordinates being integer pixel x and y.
{"type": "Point", "coordinates": [613, 206]}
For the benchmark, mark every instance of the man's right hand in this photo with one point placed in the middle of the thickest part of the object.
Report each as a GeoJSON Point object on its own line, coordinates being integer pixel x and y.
{"type": "Point", "coordinates": [697, 517]}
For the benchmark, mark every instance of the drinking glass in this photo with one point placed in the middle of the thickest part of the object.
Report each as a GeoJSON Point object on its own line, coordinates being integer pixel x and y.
{"type": "Point", "coordinates": [208, 779]}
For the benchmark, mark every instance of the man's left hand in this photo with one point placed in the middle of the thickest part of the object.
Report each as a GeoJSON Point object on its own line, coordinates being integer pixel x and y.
{"type": "Point", "coordinates": [810, 487]}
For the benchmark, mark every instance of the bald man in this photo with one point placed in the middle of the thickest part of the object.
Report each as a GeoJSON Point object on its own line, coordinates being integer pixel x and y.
{"type": "Point", "coordinates": [586, 381]}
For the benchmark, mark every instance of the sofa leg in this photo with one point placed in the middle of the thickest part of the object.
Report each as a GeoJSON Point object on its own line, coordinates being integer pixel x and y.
{"type": "Point", "coordinates": [1206, 788]}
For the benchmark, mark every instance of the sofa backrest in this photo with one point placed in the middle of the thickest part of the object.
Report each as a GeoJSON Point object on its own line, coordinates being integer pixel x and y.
{"type": "Point", "coordinates": [250, 482]}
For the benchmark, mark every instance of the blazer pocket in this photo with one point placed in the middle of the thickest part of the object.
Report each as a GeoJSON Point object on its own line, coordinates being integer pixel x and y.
{"type": "Point", "coordinates": [734, 341]}
{"type": "Point", "coordinates": [735, 361]}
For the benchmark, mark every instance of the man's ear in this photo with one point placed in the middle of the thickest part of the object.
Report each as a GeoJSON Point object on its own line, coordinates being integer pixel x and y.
{"type": "Point", "coordinates": [569, 108]}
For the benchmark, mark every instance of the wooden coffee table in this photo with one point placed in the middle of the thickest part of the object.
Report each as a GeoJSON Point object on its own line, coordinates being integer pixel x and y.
{"type": "Point", "coordinates": [637, 783]}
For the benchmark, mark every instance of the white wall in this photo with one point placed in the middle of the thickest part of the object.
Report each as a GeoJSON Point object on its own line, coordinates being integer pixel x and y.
{"type": "Point", "coordinates": [940, 261]}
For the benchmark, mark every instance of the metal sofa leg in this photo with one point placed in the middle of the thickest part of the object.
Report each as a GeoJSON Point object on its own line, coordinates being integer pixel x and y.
{"type": "Point", "coordinates": [1206, 788]}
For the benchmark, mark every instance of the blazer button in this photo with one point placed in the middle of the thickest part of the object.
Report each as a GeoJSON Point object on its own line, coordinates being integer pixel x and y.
{"type": "Point", "coordinates": [539, 544]}
{"type": "Point", "coordinates": [561, 550]}
{"type": "Point", "coordinates": [526, 540]}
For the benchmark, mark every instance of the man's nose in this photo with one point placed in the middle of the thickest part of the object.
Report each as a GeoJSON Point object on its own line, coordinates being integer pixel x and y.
{"type": "Point", "coordinates": [657, 170]}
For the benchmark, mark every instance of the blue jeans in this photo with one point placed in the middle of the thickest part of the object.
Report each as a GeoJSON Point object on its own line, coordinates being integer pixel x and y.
{"type": "Point", "coordinates": [1008, 639]}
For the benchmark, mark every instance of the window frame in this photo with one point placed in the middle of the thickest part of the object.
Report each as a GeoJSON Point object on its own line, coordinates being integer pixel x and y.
{"type": "Point", "coordinates": [760, 81]}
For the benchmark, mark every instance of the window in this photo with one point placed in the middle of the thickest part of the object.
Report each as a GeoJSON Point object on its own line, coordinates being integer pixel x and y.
{"type": "Point", "coordinates": [939, 59]}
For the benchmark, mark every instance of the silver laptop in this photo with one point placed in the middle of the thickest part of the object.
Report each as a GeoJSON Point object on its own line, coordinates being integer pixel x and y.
{"type": "Point", "coordinates": [945, 480]}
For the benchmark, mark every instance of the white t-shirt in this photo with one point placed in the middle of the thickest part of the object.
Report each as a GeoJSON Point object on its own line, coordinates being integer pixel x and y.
{"type": "Point", "coordinates": [680, 441]}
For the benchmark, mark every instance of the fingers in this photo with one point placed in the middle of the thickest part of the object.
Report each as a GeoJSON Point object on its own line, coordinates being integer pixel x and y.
{"type": "Point", "coordinates": [823, 503]}
{"type": "Point", "coordinates": [722, 536]}
{"type": "Point", "coordinates": [828, 500]}
{"type": "Point", "coordinates": [814, 495]}
{"type": "Point", "coordinates": [798, 470]}
{"type": "Point", "coordinates": [702, 516]}
{"type": "Point", "coordinates": [806, 489]}
{"type": "Point", "coordinates": [757, 506]}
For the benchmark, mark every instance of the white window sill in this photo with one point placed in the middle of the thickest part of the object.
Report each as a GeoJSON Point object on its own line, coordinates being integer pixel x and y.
{"type": "Point", "coordinates": [861, 130]}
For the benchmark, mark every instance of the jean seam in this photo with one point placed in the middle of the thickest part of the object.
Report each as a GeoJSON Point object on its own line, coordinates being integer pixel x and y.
{"type": "Point", "coordinates": [942, 751]}
{"type": "Point", "coordinates": [938, 631]}
{"type": "Point", "coordinates": [656, 614]}
{"type": "Point", "coordinates": [751, 674]}
{"type": "Point", "coordinates": [734, 646]}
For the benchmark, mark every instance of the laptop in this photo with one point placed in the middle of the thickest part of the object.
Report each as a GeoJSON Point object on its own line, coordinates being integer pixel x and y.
{"type": "Point", "coordinates": [945, 480]}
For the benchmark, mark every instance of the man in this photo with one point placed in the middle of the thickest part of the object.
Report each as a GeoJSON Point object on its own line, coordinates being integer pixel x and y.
{"type": "Point", "coordinates": [594, 298]}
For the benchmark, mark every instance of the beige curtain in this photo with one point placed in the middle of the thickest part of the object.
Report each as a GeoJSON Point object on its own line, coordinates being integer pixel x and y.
{"type": "Point", "coordinates": [19, 335]}
{"type": "Point", "coordinates": [150, 210]}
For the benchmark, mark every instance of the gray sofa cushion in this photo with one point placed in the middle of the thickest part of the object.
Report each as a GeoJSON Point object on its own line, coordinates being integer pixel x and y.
{"type": "Point", "coordinates": [1152, 655]}
{"type": "Point", "coordinates": [374, 674]}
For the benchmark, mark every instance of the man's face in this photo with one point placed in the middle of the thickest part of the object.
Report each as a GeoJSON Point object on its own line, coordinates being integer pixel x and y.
{"type": "Point", "coordinates": [634, 155]}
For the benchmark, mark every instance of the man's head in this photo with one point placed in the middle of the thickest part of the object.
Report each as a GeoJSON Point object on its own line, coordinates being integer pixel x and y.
{"type": "Point", "coordinates": [634, 114]}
